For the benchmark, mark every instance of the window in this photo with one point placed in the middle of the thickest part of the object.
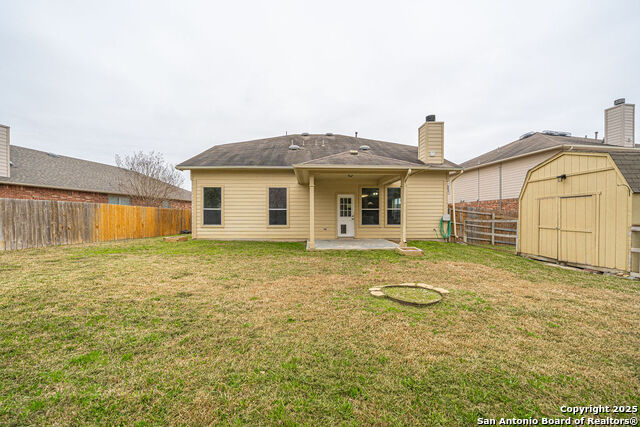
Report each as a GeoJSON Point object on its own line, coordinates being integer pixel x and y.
{"type": "Point", "coordinates": [165, 204]}
{"type": "Point", "coordinates": [278, 206]}
{"type": "Point", "coordinates": [394, 206]}
{"type": "Point", "coordinates": [119, 200]}
{"type": "Point", "coordinates": [370, 206]}
{"type": "Point", "coordinates": [212, 206]}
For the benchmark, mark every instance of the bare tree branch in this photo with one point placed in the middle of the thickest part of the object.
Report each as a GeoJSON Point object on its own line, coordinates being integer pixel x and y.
{"type": "Point", "coordinates": [148, 178]}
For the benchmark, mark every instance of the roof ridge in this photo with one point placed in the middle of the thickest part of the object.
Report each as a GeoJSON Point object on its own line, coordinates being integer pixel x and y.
{"type": "Point", "coordinates": [359, 153]}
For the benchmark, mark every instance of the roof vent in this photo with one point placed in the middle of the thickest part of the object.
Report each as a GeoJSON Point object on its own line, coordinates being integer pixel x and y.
{"type": "Point", "coordinates": [365, 148]}
{"type": "Point", "coordinates": [353, 152]}
{"type": "Point", "coordinates": [556, 133]}
{"type": "Point", "coordinates": [305, 133]}
{"type": "Point", "coordinates": [329, 134]}
{"type": "Point", "coordinates": [619, 101]}
{"type": "Point", "coordinates": [53, 155]}
{"type": "Point", "coordinates": [527, 135]}
{"type": "Point", "coordinates": [430, 118]}
{"type": "Point", "coordinates": [294, 147]}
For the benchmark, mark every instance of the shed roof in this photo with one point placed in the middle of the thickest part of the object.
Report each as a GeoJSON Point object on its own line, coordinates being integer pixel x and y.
{"type": "Point", "coordinates": [629, 165]}
{"type": "Point", "coordinates": [326, 149]}
{"type": "Point", "coordinates": [536, 142]}
{"type": "Point", "coordinates": [48, 170]}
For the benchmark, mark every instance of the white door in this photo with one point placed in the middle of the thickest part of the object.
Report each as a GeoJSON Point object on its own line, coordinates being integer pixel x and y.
{"type": "Point", "coordinates": [345, 215]}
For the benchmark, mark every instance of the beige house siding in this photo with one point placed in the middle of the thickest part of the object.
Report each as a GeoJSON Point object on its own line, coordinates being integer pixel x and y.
{"type": "Point", "coordinates": [245, 216]}
{"type": "Point", "coordinates": [4, 152]}
{"type": "Point", "coordinates": [483, 183]}
{"type": "Point", "coordinates": [431, 140]}
{"type": "Point", "coordinates": [619, 125]}
{"type": "Point", "coordinates": [515, 171]}
{"type": "Point", "coordinates": [466, 186]}
{"type": "Point", "coordinates": [591, 209]}
{"type": "Point", "coordinates": [489, 188]}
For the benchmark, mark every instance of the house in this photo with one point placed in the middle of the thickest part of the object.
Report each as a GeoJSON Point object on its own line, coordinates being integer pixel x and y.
{"type": "Point", "coordinates": [321, 186]}
{"type": "Point", "coordinates": [32, 174]}
{"type": "Point", "coordinates": [582, 207]}
{"type": "Point", "coordinates": [494, 179]}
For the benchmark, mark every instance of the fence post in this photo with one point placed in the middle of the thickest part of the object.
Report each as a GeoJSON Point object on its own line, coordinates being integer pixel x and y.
{"type": "Point", "coordinates": [493, 229]}
{"type": "Point", "coordinates": [464, 231]}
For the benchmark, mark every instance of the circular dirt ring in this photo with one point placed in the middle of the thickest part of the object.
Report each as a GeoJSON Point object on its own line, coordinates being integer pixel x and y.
{"type": "Point", "coordinates": [414, 294]}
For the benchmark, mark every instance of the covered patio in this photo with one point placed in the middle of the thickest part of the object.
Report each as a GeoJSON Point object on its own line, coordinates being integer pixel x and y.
{"type": "Point", "coordinates": [356, 200]}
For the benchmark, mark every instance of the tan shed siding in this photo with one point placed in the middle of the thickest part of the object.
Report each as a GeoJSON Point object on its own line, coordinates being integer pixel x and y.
{"type": "Point", "coordinates": [4, 152]}
{"type": "Point", "coordinates": [431, 139]}
{"type": "Point", "coordinates": [515, 171]}
{"type": "Point", "coordinates": [244, 205]}
{"type": "Point", "coordinates": [606, 212]}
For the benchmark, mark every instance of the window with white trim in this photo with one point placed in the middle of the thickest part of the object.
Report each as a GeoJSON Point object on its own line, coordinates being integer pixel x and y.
{"type": "Point", "coordinates": [370, 206]}
{"type": "Point", "coordinates": [277, 206]}
{"type": "Point", "coordinates": [394, 205]}
{"type": "Point", "coordinates": [212, 206]}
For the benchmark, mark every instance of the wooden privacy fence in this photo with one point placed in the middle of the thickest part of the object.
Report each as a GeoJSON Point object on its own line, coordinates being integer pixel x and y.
{"type": "Point", "coordinates": [39, 223]}
{"type": "Point", "coordinates": [477, 226]}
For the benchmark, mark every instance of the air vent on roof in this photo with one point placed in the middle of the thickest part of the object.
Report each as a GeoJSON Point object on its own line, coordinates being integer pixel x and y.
{"type": "Point", "coordinates": [365, 148]}
{"type": "Point", "coordinates": [329, 134]}
{"type": "Point", "coordinates": [430, 118]}
{"type": "Point", "coordinates": [294, 147]}
{"type": "Point", "coordinates": [53, 155]}
{"type": "Point", "coordinates": [305, 133]}
{"type": "Point", "coordinates": [526, 135]}
{"type": "Point", "coordinates": [556, 133]}
{"type": "Point", "coordinates": [619, 101]}
{"type": "Point", "coordinates": [353, 152]}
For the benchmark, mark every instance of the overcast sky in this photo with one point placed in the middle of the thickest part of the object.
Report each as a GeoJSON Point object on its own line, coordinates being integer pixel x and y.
{"type": "Point", "coordinates": [92, 79]}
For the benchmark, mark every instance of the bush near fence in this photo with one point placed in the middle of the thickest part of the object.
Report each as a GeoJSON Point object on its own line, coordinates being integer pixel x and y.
{"type": "Point", "coordinates": [39, 223]}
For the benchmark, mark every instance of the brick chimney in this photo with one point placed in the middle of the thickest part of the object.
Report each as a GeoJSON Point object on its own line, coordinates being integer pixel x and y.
{"type": "Point", "coordinates": [431, 141]}
{"type": "Point", "coordinates": [619, 124]}
{"type": "Point", "coordinates": [5, 169]}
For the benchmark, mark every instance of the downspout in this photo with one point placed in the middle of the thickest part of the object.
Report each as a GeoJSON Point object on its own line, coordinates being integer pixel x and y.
{"type": "Point", "coordinates": [453, 202]}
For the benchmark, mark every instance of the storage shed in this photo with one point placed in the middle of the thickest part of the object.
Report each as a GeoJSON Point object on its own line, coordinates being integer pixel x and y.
{"type": "Point", "coordinates": [583, 209]}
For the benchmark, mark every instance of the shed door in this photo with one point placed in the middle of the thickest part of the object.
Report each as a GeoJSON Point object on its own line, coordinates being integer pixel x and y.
{"type": "Point", "coordinates": [548, 227]}
{"type": "Point", "coordinates": [577, 225]}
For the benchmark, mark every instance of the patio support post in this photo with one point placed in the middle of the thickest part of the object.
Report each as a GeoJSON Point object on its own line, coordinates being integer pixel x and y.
{"type": "Point", "coordinates": [403, 211]}
{"type": "Point", "coordinates": [312, 212]}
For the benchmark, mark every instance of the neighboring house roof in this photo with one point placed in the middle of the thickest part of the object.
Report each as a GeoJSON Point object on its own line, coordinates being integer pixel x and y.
{"type": "Point", "coordinates": [40, 169]}
{"type": "Point", "coordinates": [536, 142]}
{"type": "Point", "coordinates": [325, 149]}
{"type": "Point", "coordinates": [629, 165]}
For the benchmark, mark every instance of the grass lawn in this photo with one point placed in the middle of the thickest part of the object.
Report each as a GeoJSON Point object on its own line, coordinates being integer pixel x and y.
{"type": "Point", "coordinates": [205, 332]}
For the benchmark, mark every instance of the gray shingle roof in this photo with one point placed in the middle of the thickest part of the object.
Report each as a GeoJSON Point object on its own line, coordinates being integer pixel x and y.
{"type": "Point", "coordinates": [629, 165]}
{"type": "Point", "coordinates": [41, 169]}
{"type": "Point", "coordinates": [362, 158]}
{"type": "Point", "coordinates": [275, 152]}
{"type": "Point", "coordinates": [535, 142]}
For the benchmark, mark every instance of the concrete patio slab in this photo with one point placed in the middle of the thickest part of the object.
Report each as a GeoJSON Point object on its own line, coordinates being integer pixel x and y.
{"type": "Point", "coordinates": [353, 244]}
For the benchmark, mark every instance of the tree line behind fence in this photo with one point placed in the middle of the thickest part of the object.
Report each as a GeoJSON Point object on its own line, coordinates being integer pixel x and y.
{"type": "Point", "coordinates": [39, 223]}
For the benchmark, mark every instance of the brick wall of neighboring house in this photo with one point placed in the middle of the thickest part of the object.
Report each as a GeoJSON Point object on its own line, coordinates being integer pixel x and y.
{"type": "Point", "coordinates": [508, 205]}
{"type": "Point", "coordinates": [40, 193]}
